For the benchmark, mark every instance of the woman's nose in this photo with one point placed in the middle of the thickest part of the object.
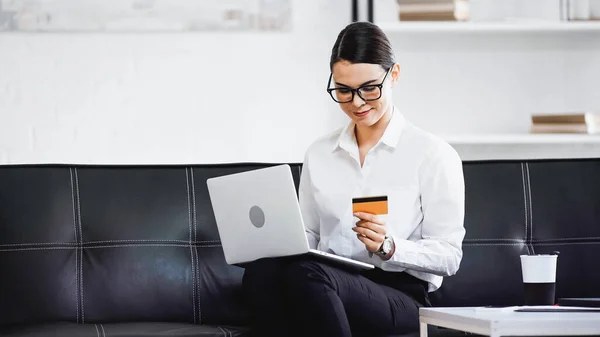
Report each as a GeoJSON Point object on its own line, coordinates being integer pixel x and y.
{"type": "Point", "coordinates": [357, 101]}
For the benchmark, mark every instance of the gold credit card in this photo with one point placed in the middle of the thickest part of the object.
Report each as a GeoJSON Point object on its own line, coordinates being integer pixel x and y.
{"type": "Point", "coordinates": [374, 205]}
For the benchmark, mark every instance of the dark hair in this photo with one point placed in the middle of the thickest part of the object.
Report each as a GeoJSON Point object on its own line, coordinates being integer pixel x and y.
{"type": "Point", "coordinates": [362, 42]}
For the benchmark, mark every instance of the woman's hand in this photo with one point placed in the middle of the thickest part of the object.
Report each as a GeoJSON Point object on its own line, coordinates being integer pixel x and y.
{"type": "Point", "coordinates": [370, 230]}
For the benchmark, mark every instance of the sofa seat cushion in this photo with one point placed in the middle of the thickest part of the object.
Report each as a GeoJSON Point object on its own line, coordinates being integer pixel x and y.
{"type": "Point", "coordinates": [159, 329]}
{"type": "Point", "coordinates": [121, 330]}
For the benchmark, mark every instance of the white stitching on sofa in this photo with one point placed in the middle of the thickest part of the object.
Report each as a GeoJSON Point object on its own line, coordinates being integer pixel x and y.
{"type": "Point", "coordinates": [37, 244]}
{"type": "Point", "coordinates": [149, 240]}
{"type": "Point", "coordinates": [539, 244]}
{"type": "Point", "coordinates": [103, 331]}
{"type": "Point", "coordinates": [230, 333]}
{"type": "Point", "coordinates": [567, 243]}
{"type": "Point", "coordinates": [75, 234]}
{"type": "Point", "coordinates": [153, 245]}
{"type": "Point", "coordinates": [187, 185]}
{"type": "Point", "coordinates": [198, 286]}
{"type": "Point", "coordinates": [530, 209]}
{"type": "Point", "coordinates": [493, 244]}
{"type": "Point", "coordinates": [514, 240]}
{"type": "Point", "coordinates": [223, 331]}
{"type": "Point", "coordinates": [97, 332]}
{"type": "Point", "coordinates": [81, 250]}
{"type": "Point", "coordinates": [527, 246]}
{"type": "Point", "coordinates": [193, 283]}
{"type": "Point", "coordinates": [73, 203]}
{"type": "Point", "coordinates": [105, 246]}
{"type": "Point", "coordinates": [11, 245]}
{"type": "Point", "coordinates": [524, 198]}
{"type": "Point", "coordinates": [36, 248]}
{"type": "Point", "coordinates": [195, 221]}
{"type": "Point", "coordinates": [567, 239]}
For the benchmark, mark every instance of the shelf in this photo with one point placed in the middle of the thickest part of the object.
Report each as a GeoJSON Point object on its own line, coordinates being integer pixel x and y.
{"type": "Point", "coordinates": [489, 27]}
{"type": "Point", "coordinates": [525, 146]}
{"type": "Point", "coordinates": [523, 139]}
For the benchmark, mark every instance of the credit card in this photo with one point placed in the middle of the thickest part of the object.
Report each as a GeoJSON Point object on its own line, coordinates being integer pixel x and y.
{"type": "Point", "coordinates": [374, 205]}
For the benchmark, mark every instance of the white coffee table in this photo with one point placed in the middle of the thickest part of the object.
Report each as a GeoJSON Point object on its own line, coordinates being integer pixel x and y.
{"type": "Point", "coordinates": [496, 322]}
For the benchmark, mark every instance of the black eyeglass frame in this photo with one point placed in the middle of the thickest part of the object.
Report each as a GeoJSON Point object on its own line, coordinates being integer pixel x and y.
{"type": "Point", "coordinates": [357, 90]}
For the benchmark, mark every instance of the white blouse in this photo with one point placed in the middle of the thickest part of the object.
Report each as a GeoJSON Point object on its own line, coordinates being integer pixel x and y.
{"type": "Point", "coordinates": [423, 179]}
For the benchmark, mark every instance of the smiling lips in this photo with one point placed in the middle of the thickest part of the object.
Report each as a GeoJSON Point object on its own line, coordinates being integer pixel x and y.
{"type": "Point", "coordinates": [362, 113]}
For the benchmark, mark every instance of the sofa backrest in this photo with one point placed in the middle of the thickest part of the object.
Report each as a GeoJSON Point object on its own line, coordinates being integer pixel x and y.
{"type": "Point", "coordinates": [139, 243]}
{"type": "Point", "coordinates": [527, 207]}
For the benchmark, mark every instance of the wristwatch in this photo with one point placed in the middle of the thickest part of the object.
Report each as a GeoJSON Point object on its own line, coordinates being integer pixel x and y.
{"type": "Point", "coordinates": [386, 246]}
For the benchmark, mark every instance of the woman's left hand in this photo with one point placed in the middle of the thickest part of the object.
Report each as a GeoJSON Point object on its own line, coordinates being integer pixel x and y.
{"type": "Point", "coordinates": [370, 230]}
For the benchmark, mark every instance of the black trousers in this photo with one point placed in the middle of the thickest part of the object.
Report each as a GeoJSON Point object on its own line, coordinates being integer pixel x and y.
{"type": "Point", "coordinates": [304, 297]}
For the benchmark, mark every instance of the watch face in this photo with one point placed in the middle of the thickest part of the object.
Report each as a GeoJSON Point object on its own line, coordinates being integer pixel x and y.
{"type": "Point", "coordinates": [387, 246]}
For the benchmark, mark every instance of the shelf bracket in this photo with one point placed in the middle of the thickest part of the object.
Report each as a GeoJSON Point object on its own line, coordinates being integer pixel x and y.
{"type": "Point", "coordinates": [356, 12]}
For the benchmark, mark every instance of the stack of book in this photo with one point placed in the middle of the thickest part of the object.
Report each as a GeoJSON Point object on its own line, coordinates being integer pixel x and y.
{"type": "Point", "coordinates": [585, 122]}
{"type": "Point", "coordinates": [426, 10]}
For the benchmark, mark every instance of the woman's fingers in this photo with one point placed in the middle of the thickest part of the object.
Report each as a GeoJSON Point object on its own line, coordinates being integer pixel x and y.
{"type": "Point", "coordinates": [370, 217]}
{"type": "Point", "coordinates": [371, 245]}
{"type": "Point", "coordinates": [379, 229]}
{"type": "Point", "coordinates": [370, 234]}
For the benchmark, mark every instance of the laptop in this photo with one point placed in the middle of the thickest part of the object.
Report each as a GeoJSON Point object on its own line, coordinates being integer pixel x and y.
{"type": "Point", "coordinates": [258, 216]}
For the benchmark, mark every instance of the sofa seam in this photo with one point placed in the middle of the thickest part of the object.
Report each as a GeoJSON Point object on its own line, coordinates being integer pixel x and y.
{"type": "Point", "coordinates": [195, 222]}
{"type": "Point", "coordinates": [80, 246]}
{"type": "Point", "coordinates": [106, 241]}
{"type": "Point", "coordinates": [494, 244]}
{"type": "Point", "coordinates": [564, 243]}
{"type": "Point", "coordinates": [525, 205]}
{"type": "Point", "coordinates": [10, 245]}
{"type": "Point", "coordinates": [530, 210]}
{"type": "Point", "coordinates": [103, 331]}
{"type": "Point", "coordinates": [198, 286]}
{"type": "Point", "coordinates": [568, 239]}
{"type": "Point", "coordinates": [193, 270]}
{"type": "Point", "coordinates": [511, 240]}
{"type": "Point", "coordinates": [151, 240]}
{"type": "Point", "coordinates": [105, 246]}
{"type": "Point", "coordinates": [539, 244]}
{"type": "Point", "coordinates": [97, 331]}
{"type": "Point", "coordinates": [72, 184]}
{"type": "Point", "coordinates": [194, 205]}
{"type": "Point", "coordinates": [160, 243]}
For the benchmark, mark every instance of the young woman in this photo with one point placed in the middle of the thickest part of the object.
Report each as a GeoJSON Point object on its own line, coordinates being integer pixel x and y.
{"type": "Point", "coordinates": [413, 246]}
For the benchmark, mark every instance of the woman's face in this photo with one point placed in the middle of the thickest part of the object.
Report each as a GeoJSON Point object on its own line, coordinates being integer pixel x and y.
{"type": "Point", "coordinates": [348, 75]}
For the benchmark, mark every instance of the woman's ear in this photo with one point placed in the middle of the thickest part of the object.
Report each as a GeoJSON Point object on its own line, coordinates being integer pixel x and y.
{"type": "Point", "coordinates": [395, 73]}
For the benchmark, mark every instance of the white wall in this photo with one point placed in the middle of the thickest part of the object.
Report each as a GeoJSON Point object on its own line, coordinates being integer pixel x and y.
{"type": "Point", "coordinates": [481, 83]}
{"type": "Point", "coordinates": [222, 97]}
{"type": "Point", "coordinates": [169, 98]}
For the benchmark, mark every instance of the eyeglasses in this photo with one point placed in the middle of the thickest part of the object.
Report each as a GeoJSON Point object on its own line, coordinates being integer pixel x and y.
{"type": "Point", "coordinates": [370, 92]}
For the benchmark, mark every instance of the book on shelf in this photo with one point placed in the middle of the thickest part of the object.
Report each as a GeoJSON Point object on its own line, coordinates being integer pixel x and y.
{"type": "Point", "coordinates": [584, 123]}
{"type": "Point", "coordinates": [426, 10]}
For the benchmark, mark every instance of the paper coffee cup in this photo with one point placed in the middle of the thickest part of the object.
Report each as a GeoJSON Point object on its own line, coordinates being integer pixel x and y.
{"type": "Point", "coordinates": [539, 278]}
{"type": "Point", "coordinates": [539, 268]}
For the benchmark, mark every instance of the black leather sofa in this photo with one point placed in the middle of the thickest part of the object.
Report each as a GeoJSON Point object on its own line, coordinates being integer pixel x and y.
{"type": "Point", "coordinates": [134, 250]}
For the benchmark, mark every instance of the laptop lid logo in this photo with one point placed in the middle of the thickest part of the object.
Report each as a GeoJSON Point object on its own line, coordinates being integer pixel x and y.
{"type": "Point", "coordinates": [257, 217]}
